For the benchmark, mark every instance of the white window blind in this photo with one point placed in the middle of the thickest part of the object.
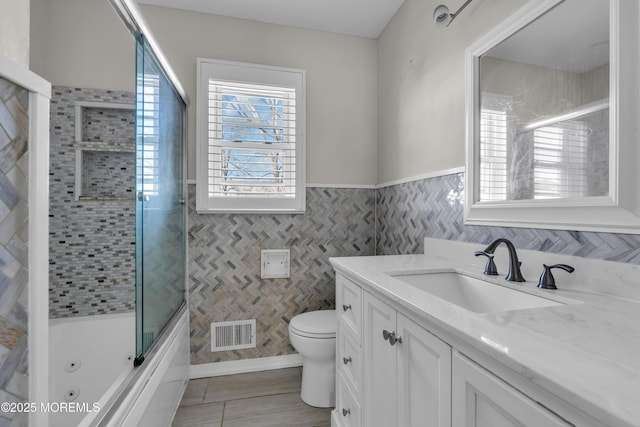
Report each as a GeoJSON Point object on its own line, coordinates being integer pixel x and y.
{"type": "Point", "coordinates": [493, 154]}
{"type": "Point", "coordinates": [149, 131]}
{"type": "Point", "coordinates": [250, 139]}
{"type": "Point", "coordinates": [561, 160]}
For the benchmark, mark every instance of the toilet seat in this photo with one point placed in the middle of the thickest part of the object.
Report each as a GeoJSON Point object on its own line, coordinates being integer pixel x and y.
{"type": "Point", "coordinates": [315, 324]}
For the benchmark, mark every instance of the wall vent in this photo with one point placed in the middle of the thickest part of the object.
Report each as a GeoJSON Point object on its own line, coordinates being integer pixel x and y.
{"type": "Point", "coordinates": [233, 335]}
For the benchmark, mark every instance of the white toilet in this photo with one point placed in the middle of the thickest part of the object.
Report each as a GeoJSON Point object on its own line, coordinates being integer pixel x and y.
{"type": "Point", "coordinates": [313, 335]}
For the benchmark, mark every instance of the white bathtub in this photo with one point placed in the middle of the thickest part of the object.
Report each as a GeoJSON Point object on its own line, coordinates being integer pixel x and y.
{"type": "Point", "coordinates": [87, 356]}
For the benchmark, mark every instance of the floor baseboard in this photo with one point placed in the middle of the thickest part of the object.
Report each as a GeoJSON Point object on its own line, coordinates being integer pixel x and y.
{"type": "Point", "coordinates": [230, 367]}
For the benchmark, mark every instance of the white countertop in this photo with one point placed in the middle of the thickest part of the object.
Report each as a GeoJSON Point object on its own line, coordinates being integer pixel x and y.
{"type": "Point", "coordinates": [587, 353]}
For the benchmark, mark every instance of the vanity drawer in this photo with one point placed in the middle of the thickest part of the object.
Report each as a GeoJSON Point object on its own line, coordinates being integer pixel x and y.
{"type": "Point", "coordinates": [350, 361]}
{"type": "Point", "coordinates": [347, 412]}
{"type": "Point", "coordinates": [349, 305]}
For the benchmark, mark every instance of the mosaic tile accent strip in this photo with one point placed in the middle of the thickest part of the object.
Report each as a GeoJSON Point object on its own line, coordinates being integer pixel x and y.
{"type": "Point", "coordinates": [14, 224]}
{"type": "Point", "coordinates": [91, 242]}
{"type": "Point", "coordinates": [409, 212]}
{"type": "Point", "coordinates": [224, 266]}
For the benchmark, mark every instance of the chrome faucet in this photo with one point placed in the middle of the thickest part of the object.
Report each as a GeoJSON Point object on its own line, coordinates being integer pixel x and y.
{"type": "Point", "coordinates": [514, 275]}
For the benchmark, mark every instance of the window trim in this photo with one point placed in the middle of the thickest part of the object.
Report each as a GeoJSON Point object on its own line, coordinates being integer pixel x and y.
{"type": "Point", "coordinates": [262, 75]}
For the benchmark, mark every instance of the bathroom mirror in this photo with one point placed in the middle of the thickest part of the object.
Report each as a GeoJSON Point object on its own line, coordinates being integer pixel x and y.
{"type": "Point", "coordinates": [552, 103]}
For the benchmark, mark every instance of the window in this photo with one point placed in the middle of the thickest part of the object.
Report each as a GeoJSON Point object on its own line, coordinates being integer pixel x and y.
{"type": "Point", "coordinates": [493, 155]}
{"type": "Point", "coordinates": [148, 100]}
{"type": "Point", "coordinates": [540, 161]}
{"type": "Point", "coordinates": [250, 139]}
{"type": "Point", "coordinates": [560, 154]}
{"type": "Point", "coordinates": [494, 134]}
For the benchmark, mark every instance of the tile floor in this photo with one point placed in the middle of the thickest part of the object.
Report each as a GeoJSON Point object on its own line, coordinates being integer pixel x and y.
{"type": "Point", "coordinates": [258, 399]}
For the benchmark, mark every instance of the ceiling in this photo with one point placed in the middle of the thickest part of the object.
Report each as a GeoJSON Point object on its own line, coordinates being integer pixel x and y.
{"type": "Point", "coordinates": [573, 36]}
{"type": "Point", "coordinates": [362, 18]}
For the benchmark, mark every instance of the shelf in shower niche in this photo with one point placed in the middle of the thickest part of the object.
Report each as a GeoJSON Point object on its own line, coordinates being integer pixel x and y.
{"type": "Point", "coordinates": [104, 199]}
{"type": "Point", "coordinates": [105, 175]}
{"type": "Point", "coordinates": [105, 123]}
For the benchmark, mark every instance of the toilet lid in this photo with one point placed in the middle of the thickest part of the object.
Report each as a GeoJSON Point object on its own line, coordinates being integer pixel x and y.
{"type": "Point", "coordinates": [316, 324]}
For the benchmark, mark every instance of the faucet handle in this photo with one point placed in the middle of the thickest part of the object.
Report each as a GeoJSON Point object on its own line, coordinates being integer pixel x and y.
{"type": "Point", "coordinates": [546, 278]}
{"type": "Point", "coordinates": [489, 269]}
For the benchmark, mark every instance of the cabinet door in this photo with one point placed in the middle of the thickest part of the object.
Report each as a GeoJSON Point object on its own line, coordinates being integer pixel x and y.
{"type": "Point", "coordinates": [347, 412]}
{"type": "Point", "coordinates": [349, 305]}
{"type": "Point", "coordinates": [480, 399]}
{"type": "Point", "coordinates": [424, 377]}
{"type": "Point", "coordinates": [349, 362]}
{"type": "Point", "coordinates": [379, 363]}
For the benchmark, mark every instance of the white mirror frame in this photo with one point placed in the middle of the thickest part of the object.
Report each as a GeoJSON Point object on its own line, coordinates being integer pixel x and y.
{"type": "Point", "coordinates": [620, 211]}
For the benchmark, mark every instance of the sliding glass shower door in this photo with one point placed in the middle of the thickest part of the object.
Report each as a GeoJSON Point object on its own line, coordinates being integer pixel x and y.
{"type": "Point", "coordinates": [160, 199]}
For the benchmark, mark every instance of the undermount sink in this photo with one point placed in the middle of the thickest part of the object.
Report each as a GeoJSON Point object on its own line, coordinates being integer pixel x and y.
{"type": "Point", "coordinates": [473, 294]}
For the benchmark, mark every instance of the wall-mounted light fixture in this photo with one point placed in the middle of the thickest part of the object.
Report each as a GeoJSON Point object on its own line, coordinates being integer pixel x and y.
{"type": "Point", "coordinates": [442, 17]}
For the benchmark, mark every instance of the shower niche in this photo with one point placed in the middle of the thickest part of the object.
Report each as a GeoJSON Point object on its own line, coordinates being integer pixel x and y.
{"type": "Point", "coordinates": [105, 151]}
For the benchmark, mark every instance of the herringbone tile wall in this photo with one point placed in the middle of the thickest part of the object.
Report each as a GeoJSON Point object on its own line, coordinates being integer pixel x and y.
{"type": "Point", "coordinates": [14, 264]}
{"type": "Point", "coordinates": [224, 266]}
{"type": "Point", "coordinates": [406, 213]}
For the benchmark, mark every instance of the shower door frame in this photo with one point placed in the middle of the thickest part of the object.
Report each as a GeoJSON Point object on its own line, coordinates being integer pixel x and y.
{"type": "Point", "coordinates": [134, 20]}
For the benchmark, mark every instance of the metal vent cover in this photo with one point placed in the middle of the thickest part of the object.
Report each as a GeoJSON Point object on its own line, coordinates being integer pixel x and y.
{"type": "Point", "coordinates": [233, 335]}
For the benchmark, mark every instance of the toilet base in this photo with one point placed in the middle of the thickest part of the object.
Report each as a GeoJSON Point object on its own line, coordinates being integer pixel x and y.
{"type": "Point", "coordinates": [318, 383]}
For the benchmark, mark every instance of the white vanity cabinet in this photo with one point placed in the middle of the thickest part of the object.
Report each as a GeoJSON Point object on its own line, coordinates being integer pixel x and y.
{"type": "Point", "coordinates": [407, 370]}
{"type": "Point", "coordinates": [391, 371]}
{"type": "Point", "coordinates": [480, 399]}
{"type": "Point", "coordinates": [399, 378]}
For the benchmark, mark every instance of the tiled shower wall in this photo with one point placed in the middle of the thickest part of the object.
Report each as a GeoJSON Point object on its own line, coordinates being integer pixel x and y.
{"type": "Point", "coordinates": [406, 213]}
{"type": "Point", "coordinates": [14, 275]}
{"type": "Point", "coordinates": [224, 266]}
{"type": "Point", "coordinates": [91, 241]}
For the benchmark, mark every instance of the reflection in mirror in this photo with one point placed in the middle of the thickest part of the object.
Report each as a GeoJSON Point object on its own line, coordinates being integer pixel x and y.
{"type": "Point", "coordinates": [544, 108]}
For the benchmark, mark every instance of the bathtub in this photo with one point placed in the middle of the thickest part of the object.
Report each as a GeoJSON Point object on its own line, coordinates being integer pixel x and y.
{"type": "Point", "coordinates": [91, 363]}
{"type": "Point", "coordinates": [88, 359]}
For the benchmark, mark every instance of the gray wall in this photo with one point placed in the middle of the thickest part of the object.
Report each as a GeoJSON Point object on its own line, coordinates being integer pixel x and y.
{"type": "Point", "coordinates": [14, 266]}
{"type": "Point", "coordinates": [14, 30]}
{"type": "Point", "coordinates": [82, 43]}
{"type": "Point", "coordinates": [421, 121]}
{"type": "Point", "coordinates": [341, 82]}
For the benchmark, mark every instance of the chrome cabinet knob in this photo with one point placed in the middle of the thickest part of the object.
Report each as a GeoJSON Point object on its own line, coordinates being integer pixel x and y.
{"type": "Point", "coordinates": [391, 337]}
{"type": "Point", "coordinates": [345, 412]}
{"type": "Point", "coordinates": [346, 360]}
{"type": "Point", "coordinates": [346, 307]}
